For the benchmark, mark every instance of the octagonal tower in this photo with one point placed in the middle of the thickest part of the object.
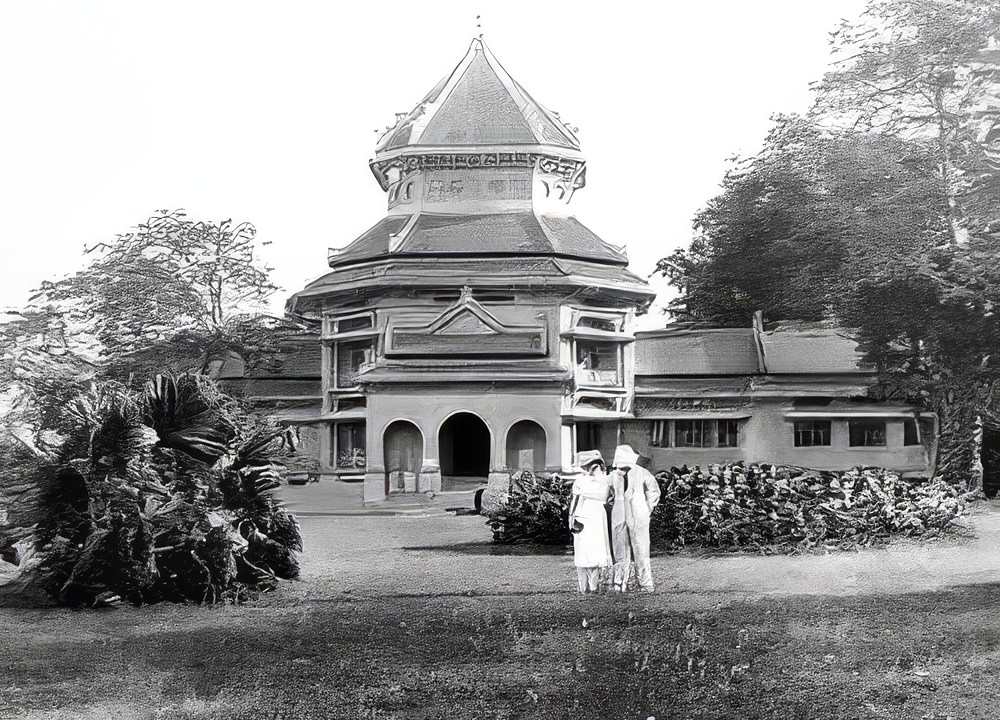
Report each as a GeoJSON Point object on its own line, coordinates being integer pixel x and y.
{"type": "Point", "coordinates": [478, 328]}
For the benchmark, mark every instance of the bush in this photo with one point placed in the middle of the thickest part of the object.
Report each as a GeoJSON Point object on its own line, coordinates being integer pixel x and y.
{"type": "Point", "coordinates": [764, 507]}
{"type": "Point", "coordinates": [165, 494]}
{"type": "Point", "coordinates": [761, 508]}
{"type": "Point", "coordinates": [536, 509]}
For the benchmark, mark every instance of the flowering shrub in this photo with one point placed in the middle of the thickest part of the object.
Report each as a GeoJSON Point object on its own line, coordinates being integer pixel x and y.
{"type": "Point", "coordinates": [764, 507]}
{"type": "Point", "coordinates": [536, 509]}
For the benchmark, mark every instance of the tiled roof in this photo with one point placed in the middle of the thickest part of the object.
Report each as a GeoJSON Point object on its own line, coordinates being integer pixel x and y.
{"type": "Point", "coordinates": [292, 356]}
{"type": "Point", "coordinates": [477, 234]}
{"type": "Point", "coordinates": [571, 238]}
{"type": "Point", "coordinates": [799, 348]}
{"type": "Point", "coordinates": [478, 104]}
{"type": "Point", "coordinates": [602, 272]}
{"type": "Point", "coordinates": [716, 351]}
{"type": "Point", "coordinates": [509, 234]}
{"type": "Point", "coordinates": [502, 273]}
{"type": "Point", "coordinates": [807, 348]}
{"type": "Point", "coordinates": [373, 242]}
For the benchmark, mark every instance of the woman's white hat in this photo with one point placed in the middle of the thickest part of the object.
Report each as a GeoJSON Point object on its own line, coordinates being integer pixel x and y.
{"type": "Point", "coordinates": [586, 457]}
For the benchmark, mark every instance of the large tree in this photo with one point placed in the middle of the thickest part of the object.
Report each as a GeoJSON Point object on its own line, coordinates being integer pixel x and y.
{"type": "Point", "coordinates": [923, 70]}
{"type": "Point", "coordinates": [888, 189]}
{"type": "Point", "coordinates": [908, 68]}
{"type": "Point", "coordinates": [801, 223]}
{"type": "Point", "coordinates": [174, 293]}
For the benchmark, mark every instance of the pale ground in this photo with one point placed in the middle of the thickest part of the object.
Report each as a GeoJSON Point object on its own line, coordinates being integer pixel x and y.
{"type": "Point", "coordinates": [411, 547]}
{"type": "Point", "coordinates": [369, 574]}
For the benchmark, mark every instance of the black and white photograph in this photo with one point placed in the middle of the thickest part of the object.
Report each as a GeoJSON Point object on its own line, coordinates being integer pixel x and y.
{"type": "Point", "coordinates": [499, 360]}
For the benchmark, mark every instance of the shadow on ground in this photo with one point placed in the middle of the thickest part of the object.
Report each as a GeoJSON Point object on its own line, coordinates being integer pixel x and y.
{"type": "Point", "coordinates": [489, 548]}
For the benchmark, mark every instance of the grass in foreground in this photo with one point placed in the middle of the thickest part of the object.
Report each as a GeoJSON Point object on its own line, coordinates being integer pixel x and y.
{"type": "Point", "coordinates": [928, 655]}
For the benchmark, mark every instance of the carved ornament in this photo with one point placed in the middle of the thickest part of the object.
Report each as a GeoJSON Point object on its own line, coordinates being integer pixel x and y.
{"type": "Point", "coordinates": [567, 174]}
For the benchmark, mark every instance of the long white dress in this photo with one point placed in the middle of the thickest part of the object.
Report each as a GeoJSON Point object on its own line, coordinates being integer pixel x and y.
{"type": "Point", "coordinates": [592, 545]}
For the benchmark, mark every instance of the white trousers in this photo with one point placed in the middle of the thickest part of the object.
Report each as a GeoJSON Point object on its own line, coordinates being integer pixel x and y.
{"type": "Point", "coordinates": [631, 545]}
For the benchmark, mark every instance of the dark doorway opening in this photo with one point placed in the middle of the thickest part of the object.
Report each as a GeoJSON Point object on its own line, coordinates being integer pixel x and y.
{"type": "Point", "coordinates": [464, 444]}
{"type": "Point", "coordinates": [990, 457]}
{"type": "Point", "coordinates": [588, 436]}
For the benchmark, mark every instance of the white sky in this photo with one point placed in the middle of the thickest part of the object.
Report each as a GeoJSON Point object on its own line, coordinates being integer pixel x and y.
{"type": "Point", "coordinates": [266, 111]}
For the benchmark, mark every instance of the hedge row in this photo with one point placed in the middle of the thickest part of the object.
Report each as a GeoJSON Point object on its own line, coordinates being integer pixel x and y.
{"type": "Point", "coordinates": [769, 508]}
{"type": "Point", "coordinates": [761, 508]}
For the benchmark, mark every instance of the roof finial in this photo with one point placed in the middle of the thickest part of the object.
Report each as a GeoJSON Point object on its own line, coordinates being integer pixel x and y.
{"type": "Point", "coordinates": [479, 26]}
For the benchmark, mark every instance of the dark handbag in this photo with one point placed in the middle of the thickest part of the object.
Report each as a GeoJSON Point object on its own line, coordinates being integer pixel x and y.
{"type": "Point", "coordinates": [577, 527]}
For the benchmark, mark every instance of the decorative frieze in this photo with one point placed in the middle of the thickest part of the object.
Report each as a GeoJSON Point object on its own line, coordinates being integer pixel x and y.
{"type": "Point", "coordinates": [562, 174]}
{"type": "Point", "coordinates": [645, 407]}
{"type": "Point", "coordinates": [416, 342]}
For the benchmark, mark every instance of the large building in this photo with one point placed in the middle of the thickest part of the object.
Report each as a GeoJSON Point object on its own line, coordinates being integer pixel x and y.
{"type": "Point", "coordinates": [479, 328]}
{"type": "Point", "coordinates": [792, 394]}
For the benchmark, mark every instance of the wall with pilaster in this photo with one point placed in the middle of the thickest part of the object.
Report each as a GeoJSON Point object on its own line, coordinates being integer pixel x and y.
{"type": "Point", "coordinates": [428, 409]}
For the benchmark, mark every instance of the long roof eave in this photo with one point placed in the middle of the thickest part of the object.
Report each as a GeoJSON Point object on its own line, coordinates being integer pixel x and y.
{"type": "Point", "coordinates": [536, 148]}
{"type": "Point", "coordinates": [478, 256]}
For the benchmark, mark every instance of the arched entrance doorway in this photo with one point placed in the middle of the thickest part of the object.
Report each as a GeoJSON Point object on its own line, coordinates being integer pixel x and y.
{"type": "Point", "coordinates": [526, 446]}
{"type": "Point", "coordinates": [403, 445]}
{"type": "Point", "coordinates": [464, 446]}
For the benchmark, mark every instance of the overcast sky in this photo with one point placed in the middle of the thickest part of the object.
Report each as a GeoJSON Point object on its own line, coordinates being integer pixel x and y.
{"type": "Point", "coordinates": [267, 112]}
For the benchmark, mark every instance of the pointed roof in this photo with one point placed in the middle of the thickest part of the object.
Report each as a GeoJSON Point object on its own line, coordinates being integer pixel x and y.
{"type": "Point", "coordinates": [478, 105]}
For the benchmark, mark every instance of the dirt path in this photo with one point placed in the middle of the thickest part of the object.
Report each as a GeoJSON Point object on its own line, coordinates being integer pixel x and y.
{"type": "Point", "coordinates": [439, 553]}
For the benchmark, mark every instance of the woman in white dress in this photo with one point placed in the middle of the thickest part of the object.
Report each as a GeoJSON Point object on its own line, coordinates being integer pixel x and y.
{"type": "Point", "coordinates": [588, 521]}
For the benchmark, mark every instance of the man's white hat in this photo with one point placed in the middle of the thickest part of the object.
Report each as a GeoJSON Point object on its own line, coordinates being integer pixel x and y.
{"type": "Point", "coordinates": [625, 456]}
{"type": "Point", "coordinates": [586, 457]}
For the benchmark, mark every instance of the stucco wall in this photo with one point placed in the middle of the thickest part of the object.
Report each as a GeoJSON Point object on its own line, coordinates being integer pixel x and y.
{"type": "Point", "coordinates": [767, 436]}
{"type": "Point", "coordinates": [773, 440]}
{"type": "Point", "coordinates": [428, 410]}
{"type": "Point", "coordinates": [468, 190]}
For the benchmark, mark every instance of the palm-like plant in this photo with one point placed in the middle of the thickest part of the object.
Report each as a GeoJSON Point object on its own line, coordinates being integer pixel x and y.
{"type": "Point", "coordinates": [173, 499]}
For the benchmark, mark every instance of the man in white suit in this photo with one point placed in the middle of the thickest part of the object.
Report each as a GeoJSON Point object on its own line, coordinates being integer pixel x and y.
{"type": "Point", "coordinates": [636, 493]}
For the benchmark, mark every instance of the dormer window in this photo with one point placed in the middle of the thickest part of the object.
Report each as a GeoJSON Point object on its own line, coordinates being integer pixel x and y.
{"type": "Point", "coordinates": [362, 323]}
{"type": "Point", "coordinates": [602, 322]}
{"type": "Point", "coordinates": [359, 322]}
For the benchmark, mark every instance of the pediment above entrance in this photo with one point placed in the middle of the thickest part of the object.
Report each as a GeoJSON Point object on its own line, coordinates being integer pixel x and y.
{"type": "Point", "coordinates": [464, 329]}
{"type": "Point", "coordinates": [466, 323]}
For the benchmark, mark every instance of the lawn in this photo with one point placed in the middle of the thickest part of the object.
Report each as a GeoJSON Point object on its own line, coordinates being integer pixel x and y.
{"type": "Point", "coordinates": [411, 618]}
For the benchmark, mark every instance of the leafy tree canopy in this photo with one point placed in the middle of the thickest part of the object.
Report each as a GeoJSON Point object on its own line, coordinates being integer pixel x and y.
{"type": "Point", "coordinates": [877, 211]}
{"type": "Point", "coordinates": [174, 293]}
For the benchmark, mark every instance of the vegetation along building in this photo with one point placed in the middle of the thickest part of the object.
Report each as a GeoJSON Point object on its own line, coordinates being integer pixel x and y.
{"type": "Point", "coordinates": [480, 328]}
